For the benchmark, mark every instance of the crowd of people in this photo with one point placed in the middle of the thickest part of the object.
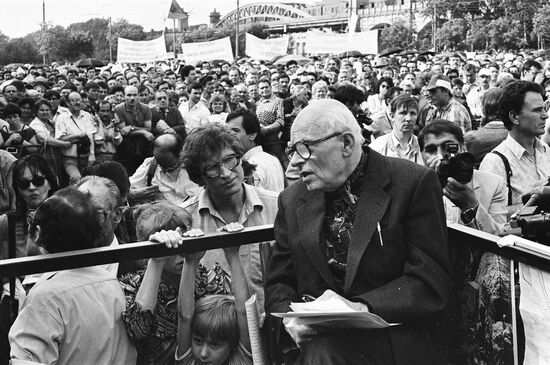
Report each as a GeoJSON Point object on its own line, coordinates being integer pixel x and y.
{"type": "Point", "coordinates": [350, 158]}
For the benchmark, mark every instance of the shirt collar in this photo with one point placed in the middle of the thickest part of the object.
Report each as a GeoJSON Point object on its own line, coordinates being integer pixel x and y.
{"type": "Point", "coordinates": [251, 152]}
{"type": "Point", "coordinates": [251, 201]}
{"type": "Point", "coordinates": [518, 150]}
{"type": "Point", "coordinates": [407, 146]}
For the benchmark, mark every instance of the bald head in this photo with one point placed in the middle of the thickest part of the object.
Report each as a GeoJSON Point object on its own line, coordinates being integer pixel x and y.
{"type": "Point", "coordinates": [326, 116]}
{"type": "Point", "coordinates": [131, 95]}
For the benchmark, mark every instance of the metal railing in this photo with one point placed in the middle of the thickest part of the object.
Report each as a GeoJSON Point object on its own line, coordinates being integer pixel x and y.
{"type": "Point", "coordinates": [458, 234]}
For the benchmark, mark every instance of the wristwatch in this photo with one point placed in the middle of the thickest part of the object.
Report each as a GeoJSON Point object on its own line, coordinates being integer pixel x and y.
{"type": "Point", "coordinates": [468, 215]}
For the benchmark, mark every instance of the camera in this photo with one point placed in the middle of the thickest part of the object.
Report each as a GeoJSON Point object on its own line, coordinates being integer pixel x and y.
{"type": "Point", "coordinates": [534, 217]}
{"type": "Point", "coordinates": [459, 166]}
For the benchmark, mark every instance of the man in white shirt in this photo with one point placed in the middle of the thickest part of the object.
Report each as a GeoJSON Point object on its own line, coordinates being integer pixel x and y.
{"type": "Point", "coordinates": [164, 173]}
{"type": "Point", "coordinates": [194, 111]}
{"type": "Point", "coordinates": [269, 172]}
{"type": "Point", "coordinates": [401, 142]}
{"type": "Point", "coordinates": [76, 127]}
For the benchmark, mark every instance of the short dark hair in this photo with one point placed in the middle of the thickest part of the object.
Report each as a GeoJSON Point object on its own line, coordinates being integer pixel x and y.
{"type": "Point", "coordinates": [250, 122]}
{"type": "Point", "coordinates": [470, 68]}
{"type": "Point", "coordinates": [348, 93]}
{"type": "Point", "coordinates": [491, 104]}
{"type": "Point", "coordinates": [204, 143]}
{"type": "Point", "coordinates": [206, 79]}
{"type": "Point", "coordinates": [115, 89]}
{"type": "Point", "coordinates": [68, 221]}
{"type": "Point", "coordinates": [195, 86]}
{"type": "Point", "coordinates": [513, 98]}
{"type": "Point", "coordinates": [403, 101]}
{"type": "Point", "coordinates": [186, 70]}
{"type": "Point", "coordinates": [11, 109]}
{"type": "Point", "coordinates": [264, 80]}
{"type": "Point", "coordinates": [531, 63]}
{"type": "Point", "coordinates": [51, 93]}
{"type": "Point", "coordinates": [114, 171]}
{"type": "Point", "coordinates": [437, 128]}
{"type": "Point", "coordinates": [91, 85]}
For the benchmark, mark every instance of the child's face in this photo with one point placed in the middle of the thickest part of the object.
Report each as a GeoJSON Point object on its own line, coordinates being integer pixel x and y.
{"type": "Point", "coordinates": [210, 352]}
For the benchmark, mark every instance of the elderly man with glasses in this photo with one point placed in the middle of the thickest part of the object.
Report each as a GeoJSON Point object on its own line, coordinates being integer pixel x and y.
{"type": "Point", "coordinates": [212, 156]}
{"type": "Point", "coordinates": [356, 224]}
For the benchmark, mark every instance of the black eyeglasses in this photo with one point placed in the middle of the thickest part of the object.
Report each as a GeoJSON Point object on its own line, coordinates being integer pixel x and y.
{"type": "Point", "coordinates": [303, 148]}
{"type": "Point", "coordinates": [37, 181]}
{"type": "Point", "coordinates": [230, 162]}
{"type": "Point", "coordinates": [102, 215]}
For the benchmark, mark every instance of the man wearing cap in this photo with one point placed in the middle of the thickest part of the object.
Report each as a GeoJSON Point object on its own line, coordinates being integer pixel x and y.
{"type": "Point", "coordinates": [474, 97]}
{"type": "Point", "coordinates": [444, 105]}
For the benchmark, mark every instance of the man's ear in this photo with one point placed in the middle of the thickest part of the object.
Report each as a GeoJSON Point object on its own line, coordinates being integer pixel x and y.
{"type": "Point", "coordinates": [513, 117]}
{"type": "Point", "coordinates": [349, 143]}
{"type": "Point", "coordinates": [117, 215]}
{"type": "Point", "coordinates": [252, 136]}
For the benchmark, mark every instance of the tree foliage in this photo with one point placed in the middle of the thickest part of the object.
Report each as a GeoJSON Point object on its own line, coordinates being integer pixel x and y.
{"type": "Point", "coordinates": [541, 22]}
{"type": "Point", "coordinates": [452, 35]}
{"type": "Point", "coordinates": [399, 34]}
{"type": "Point", "coordinates": [18, 50]}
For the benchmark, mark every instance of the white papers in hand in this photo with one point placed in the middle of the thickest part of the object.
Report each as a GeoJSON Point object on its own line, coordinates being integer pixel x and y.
{"type": "Point", "coordinates": [332, 310]}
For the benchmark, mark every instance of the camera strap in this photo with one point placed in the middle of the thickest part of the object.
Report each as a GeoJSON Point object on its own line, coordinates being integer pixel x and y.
{"type": "Point", "coordinates": [508, 174]}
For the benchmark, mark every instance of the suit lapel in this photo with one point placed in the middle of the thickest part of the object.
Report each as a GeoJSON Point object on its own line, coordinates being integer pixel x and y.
{"type": "Point", "coordinates": [310, 216]}
{"type": "Point", "coordinates": [372, 205]}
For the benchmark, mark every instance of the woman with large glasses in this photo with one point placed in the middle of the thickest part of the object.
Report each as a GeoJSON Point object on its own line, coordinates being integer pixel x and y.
{"type": "Point", "coordinates": [44, 128]}
{"type": "Point", "coordinates": [33, 182]}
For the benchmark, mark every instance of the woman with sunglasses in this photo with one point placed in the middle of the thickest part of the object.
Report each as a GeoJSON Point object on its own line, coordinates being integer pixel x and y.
{"type": "Point", "coordinates": [33, 182]}
{"type": "Point", "coordinates": [377, 102]}
{"type": "Point", "coordinates": [44, 128]}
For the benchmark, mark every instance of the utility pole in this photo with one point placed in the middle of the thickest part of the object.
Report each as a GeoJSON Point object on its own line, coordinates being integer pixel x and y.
{"type": "Point", "coordinates": [434, 26]}
{"type": "Point", "coordinates": [174, 39]}
{"type": "Point", "coordinates": [110, 42]}
{"type": "Point", "coordinates": [237, 33]}
{"type": "Point", "coordinates": [44, 27]}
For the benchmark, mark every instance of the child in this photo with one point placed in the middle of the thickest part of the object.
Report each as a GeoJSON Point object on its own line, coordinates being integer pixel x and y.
{"type": "Point", "coordinates": [214, 330]}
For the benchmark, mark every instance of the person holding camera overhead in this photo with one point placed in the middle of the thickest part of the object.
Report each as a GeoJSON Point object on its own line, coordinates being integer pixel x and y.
{"type": "Point", "coordinates": [473, 198]}
{"type": "Point", "coordinates": [77, 127]}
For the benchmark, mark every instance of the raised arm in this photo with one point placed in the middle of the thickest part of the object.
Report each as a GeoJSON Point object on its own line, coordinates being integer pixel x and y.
{"type": "Point", "coordinates": [239, 287]}
{"type": "Point", "coordinates": [186, 303]}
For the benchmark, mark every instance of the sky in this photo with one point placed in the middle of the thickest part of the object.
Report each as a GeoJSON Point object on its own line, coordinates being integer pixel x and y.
{"type": "Point", "coordinates": [20, 17]}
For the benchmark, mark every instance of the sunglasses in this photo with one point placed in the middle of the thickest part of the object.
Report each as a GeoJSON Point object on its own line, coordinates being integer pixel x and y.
{"type": "Point", "coordinates": [37, 181]}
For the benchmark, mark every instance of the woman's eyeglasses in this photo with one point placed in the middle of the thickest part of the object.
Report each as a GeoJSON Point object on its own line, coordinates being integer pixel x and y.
{"type": "Point", "coordinates": [37, 181]}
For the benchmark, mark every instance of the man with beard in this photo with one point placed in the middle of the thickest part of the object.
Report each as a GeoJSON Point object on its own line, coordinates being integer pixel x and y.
{"type": "Point", "coordinates": [163, 175]}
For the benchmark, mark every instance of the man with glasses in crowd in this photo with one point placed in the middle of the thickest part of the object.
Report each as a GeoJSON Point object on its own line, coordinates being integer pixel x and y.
{"type": "Point", "coordinates": [212, 156]}
{"type": "Point", "coordinates": [166, 119]}
{"type": "Point", "coordinates": [356, 224]}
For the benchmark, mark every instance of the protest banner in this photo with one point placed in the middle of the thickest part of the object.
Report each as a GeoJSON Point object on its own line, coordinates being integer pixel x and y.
{"type": "Point", "coordinates": [141, 51]}
{"type": "Point", "coordinates": [335, 43]}
{"type": "Point", "coordinates": [219, 49]}
{"type": "Point", "coordinates": [265, 49]}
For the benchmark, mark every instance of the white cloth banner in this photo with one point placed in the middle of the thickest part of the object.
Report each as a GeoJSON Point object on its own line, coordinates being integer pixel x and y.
{"type": "Point", "coordinates": [334, 43]}
{"type": "Point", "coordinates": [219, 49]}
{"type": "Point", "coordinates": [141, 51]}
{"type": "Point", "coordinates": [265, 49]}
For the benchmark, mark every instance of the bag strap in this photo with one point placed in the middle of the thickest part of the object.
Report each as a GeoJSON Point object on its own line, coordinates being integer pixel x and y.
{"type": "Point", "coordinates": [151, 171]}
{"type": "Point", "coordinates": [11, 248]}
{"type": "Point", "coordinates": [508, 174]}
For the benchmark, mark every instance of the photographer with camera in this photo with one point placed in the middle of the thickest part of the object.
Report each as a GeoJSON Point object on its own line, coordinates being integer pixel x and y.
{"type": "Point", "coordinates": [524, 160]}
{"type": "Point", "coordinates": [473, 198]}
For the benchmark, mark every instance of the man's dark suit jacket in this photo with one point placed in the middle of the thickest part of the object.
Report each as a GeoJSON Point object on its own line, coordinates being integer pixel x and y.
{"type": "Point", "coordinates": [404, 279]}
